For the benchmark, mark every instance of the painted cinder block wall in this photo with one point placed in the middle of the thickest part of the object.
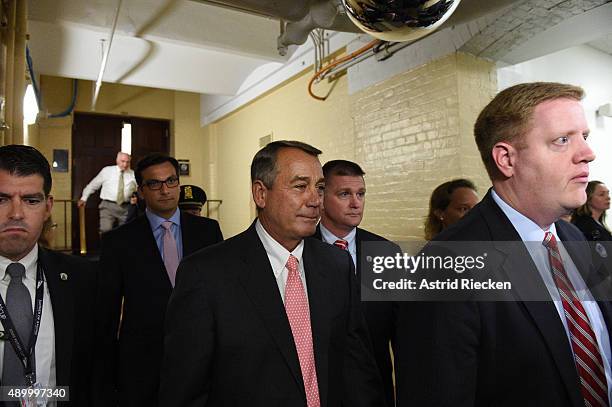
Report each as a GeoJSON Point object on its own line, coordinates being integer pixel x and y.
{"type": "Point", "coordinates": [410, 133]}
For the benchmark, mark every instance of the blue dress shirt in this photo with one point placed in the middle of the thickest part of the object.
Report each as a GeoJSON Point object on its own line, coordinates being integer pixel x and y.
{"type": "Point", "coordinates": [158, 231]}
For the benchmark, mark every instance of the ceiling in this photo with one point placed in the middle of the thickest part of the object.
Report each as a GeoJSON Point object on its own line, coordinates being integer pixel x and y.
{"type": "Point", "coordinates": [175, 44]}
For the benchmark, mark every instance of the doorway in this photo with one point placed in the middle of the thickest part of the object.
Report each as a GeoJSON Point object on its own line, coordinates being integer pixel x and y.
{"type": "Point", "coordinates": [96, 139]}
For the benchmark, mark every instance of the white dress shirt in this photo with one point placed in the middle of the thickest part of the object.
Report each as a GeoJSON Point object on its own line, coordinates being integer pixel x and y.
{"type": "Point", "coordinates": [533, 236]}
{"type": "Point", "coordinates": [45, 343]}
{"type": "Point", "coordinates": [329, 237]}
{"type": "Point", "coordinates": [108, 179]}
{"type": "Point", "coordinates": [278, 257]}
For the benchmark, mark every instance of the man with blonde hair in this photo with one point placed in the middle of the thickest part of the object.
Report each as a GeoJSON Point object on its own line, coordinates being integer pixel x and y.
{"type": "Point", "coordinates": [548, 341]}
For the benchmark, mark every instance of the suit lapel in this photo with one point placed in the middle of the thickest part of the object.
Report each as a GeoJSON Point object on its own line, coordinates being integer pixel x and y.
{"type": "Point", "coordinates": [358, 237]}
{"type": "Point", "coordinates": [319, 293]}
{"type": "Point", "coordinates": [260, 285]}
{"type": "Point", "coordinates": [62, 301]}
{"type": "Point", "coordinates": [517, 264]}
{"type": "Point", "coordinates": [317, 235]}
{"type": "Point", "coordinates": [598, 281]}
{"type": "Point", "coordinates": [147, 247]}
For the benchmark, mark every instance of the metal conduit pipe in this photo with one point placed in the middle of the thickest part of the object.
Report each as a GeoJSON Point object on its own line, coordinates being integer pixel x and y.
{"type": "Point", "coordinates": [105, 59]}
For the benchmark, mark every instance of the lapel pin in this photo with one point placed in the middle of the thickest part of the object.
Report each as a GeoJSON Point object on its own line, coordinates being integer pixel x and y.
{"type": "Point", "coordinates": [601, 250]}
{"type": "Point", "coordinates": [63, 276]}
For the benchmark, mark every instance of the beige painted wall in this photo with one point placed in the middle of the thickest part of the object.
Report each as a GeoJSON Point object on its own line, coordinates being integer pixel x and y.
{"type": "Point", "coordinates": [409, 133]}
{"type": "Point", "coordinates": [181, 108]}
{"type": "Point", "coordinates": [286, 113]}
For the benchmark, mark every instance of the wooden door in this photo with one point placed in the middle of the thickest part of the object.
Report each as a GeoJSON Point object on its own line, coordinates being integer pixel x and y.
{"type": "Point", "coordinates": [96, 139]}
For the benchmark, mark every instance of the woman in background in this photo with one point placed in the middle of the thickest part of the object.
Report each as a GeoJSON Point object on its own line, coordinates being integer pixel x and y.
{"type": "Point", "coordinates": [590, 218]}
{"type": "Point", "coordinates": [449, 202]}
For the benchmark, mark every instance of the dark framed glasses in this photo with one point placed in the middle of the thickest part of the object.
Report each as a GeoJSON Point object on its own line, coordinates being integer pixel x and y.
{"type": "Point", "coordinates": [154, 184]}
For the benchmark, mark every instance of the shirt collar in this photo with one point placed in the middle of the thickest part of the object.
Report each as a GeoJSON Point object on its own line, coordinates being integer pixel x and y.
{"type": "Point", "coordinates": [156, 221]}
{"type": "Point", "coordinates": [29, 262]}
{"type": "Point", "coordinates": [277, 254]}
{"type": "Point", "coordinates": [527, 229]}
{"type": "Point", "coordinates": [330, 238]}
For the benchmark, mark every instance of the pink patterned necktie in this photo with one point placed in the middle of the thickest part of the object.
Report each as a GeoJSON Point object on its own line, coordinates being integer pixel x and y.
{"type": "Point", "coordinates": [171, 258]}
{"type": "Point", "coordinates": [341, 243]}
{"type": "Point", "coordinates": [589, 364]}
{"type": "Point", "coordinates": [298, 313]}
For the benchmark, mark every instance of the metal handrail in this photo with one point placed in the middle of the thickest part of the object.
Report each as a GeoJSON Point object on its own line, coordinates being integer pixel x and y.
{"type": "Point", "coordinates": [64, 222]}
{"type": "Point", "coordinates": [220, 201]}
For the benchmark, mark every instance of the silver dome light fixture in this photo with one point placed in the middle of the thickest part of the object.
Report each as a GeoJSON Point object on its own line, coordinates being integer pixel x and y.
{"type": "Point", "coordinates": [399, 20]}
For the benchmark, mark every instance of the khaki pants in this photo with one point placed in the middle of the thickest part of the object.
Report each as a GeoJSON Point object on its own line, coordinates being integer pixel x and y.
{"type": "Point", "coordinates": [111, 215]}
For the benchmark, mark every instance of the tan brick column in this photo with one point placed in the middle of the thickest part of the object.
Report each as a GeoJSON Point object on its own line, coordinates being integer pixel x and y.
{"type": "Point", "coordinates": [413, 132]}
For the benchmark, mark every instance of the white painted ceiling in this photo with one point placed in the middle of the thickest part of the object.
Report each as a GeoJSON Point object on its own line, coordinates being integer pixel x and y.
{"type": "Point", "coordinates": [173, 44]}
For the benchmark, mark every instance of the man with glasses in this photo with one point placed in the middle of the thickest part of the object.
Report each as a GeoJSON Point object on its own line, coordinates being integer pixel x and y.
{"type": "Point", "coordinates": [138, 266]}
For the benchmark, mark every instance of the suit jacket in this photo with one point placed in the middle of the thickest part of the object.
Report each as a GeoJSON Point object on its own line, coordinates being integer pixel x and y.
{"type": "Point", "coordinates": [72, 300]}
{"type": "Point", "coordinates": [591, 229]}
{"type": "Point", "coordinates": [379, 316]}
{"type": "Point", "coordinates": [228, 340]}
{"type": "Point", "coordinates": [504, 353]}
{"type": "Point", "coordinates": [132, 271]}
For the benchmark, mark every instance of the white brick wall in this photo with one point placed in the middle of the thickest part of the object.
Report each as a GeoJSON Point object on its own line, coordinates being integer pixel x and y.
{"type": "Point", "coordinates": [413, 132]}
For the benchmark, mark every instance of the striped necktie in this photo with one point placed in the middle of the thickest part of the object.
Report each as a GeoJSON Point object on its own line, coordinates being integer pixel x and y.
{"type": "Point", "coordinates": [341, 243]}
{"type": "Point", "coordinates": [589, 364]}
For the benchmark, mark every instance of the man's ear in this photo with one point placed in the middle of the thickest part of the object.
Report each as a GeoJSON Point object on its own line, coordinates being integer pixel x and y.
{"type": "Point", "coordinates": [504, 157]}
{"type": "Point", "coordinates": [260, 192]}
{"type": "Point", "coordinates": [48, 206]}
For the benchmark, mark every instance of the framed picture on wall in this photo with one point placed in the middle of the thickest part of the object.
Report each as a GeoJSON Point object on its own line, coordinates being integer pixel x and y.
{"type": "Point", "coordinates": [60, 161]}
{"type": "Point", "coordinates": [183, 167]}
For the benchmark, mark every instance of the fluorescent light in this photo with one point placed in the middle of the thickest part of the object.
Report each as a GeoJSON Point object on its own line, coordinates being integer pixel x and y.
{"type": "Point", "coordinates": [30, 107]}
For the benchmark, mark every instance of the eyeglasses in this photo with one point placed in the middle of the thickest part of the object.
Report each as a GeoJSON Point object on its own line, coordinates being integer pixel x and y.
{"type": "Point", "coordinates": [154, 184]}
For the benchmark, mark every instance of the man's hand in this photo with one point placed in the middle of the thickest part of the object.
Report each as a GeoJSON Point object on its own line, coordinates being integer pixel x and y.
{"type": "Point", "coordinates": [81, 203]}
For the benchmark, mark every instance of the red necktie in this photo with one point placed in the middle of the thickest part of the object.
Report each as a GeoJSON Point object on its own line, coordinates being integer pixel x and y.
{"type": "Point", "coordinates": [298, 313]}
{"type": "Point", "coordinates": [589, 364]}
{"type": "Point", "coordinates": [341, 243]}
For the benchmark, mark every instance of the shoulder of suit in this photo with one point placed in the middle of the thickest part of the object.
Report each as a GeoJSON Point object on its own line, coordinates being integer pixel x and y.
{"type": "Point", "coordinates": [135, 225]}
{"type": "Point", "coordinates": [569, 230]}
{"type": "Point", "coordinates": [472, 227]}
{"type": "Point", "coordinates": [226, 249]}
{"type": "Point", "coordinates": [366, 235]}
{"type": "Point", "coordinates": [65, 262]}
{"type": "Point", "coordinates": [584, 221]}
{"type": "Point", "coordinates": [324, 250]}
{"type": "Point", "coordinates": [202, 220]}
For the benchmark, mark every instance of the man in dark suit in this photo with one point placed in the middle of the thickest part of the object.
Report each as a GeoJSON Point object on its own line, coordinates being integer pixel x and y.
{"type": "Point", "coordinates": [270, 318]}
{"type": "Point", "coordinates": [343, 205]}
{"type": "Point", "coordinates": [548, 341]}
{"type": "Point", "coordinates": [40, 287]}
{"type": "Point", "coordinates": [138, 268]}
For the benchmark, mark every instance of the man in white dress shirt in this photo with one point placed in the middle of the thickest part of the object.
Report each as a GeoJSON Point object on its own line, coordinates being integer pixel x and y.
{"type": "Point", "coordinates": [117, 183]}
{"type": "Point", "coordinates": [39, 287]}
